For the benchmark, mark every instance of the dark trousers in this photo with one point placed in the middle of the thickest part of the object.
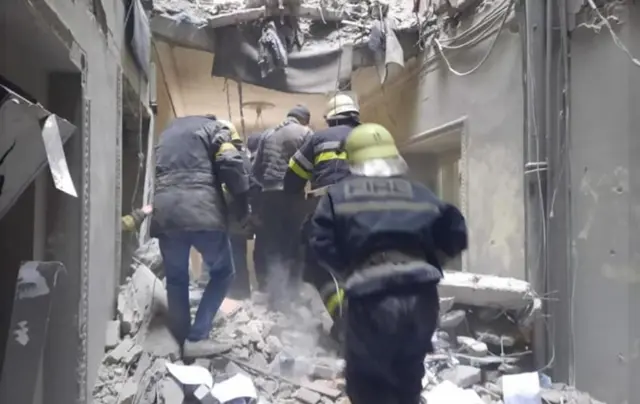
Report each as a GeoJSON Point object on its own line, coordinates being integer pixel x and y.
{"type": "Point", "coordinates": [313, 273]}
{"type": "Point", "coordinates": [387, 338]}
{"type": "Point", "coordinates": [278, 267]}
{"type": "Point", "coordinates": [241, 287]}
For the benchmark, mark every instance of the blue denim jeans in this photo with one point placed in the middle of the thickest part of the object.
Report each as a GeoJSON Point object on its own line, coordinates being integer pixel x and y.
{"type": "Point", "coordinates": [216, 254]}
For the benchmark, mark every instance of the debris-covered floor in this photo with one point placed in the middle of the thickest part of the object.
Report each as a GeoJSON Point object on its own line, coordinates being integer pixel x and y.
{"type": "Point", "coordinates": [481, 356]}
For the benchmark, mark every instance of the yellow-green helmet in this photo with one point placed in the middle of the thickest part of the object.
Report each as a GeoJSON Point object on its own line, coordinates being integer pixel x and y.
{"type": "Point", "coordinates": [235, 136]}
{"type": "Point", "coordinates": [370, 141]}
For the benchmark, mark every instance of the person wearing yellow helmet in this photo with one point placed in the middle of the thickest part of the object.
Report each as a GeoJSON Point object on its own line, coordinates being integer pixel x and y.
{"type": "Point", "coordinates": [240, 232]}
{"type": "Point", "coordinates": [385, 239]}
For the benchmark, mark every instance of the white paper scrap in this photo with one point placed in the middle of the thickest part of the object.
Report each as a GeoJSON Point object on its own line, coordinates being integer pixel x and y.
{"type": "Point", "coordinates": [193, 375]}
{"type": "Point", "coordinates": [522, 388]}
{"type": "Point", "coordinates": [448, 393]}
{"type": "Point", "coordinates": [56, 157]}
{"type": "Point", "coordinates": [238, 386]}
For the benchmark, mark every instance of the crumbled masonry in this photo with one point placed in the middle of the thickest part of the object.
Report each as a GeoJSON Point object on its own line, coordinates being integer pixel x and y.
{"type": "Point", "coordinates": [290, 359]}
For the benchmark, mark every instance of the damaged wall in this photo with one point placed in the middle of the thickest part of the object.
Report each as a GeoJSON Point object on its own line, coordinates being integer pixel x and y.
{"type": "Point", "coordinates": [489, 103]}
{"type": "Point", "coordinates": [605, 217]}
{"type": "Point", "coordinates": [93, 33]}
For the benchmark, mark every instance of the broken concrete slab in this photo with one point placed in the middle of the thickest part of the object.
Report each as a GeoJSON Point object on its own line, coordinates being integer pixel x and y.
{"type": "Point", "coordinates": [487, 290]}
{"type": "Point", "coordinates": [128, 393]}
{"type": "Point", "coordinates": [472, 346]}
{"type": "Point", "coordinates": [126, 353]}
{"type": "Point", "coordinates": [307, 396]}
{"type": "Point", "coordinates": [323, 387]}
{"type": "Point", "coordinates": [452, 319]}
{"type": "Point", "coordinates": [462, 376]}
{"type": "Point", "coordinates": [112, 335]}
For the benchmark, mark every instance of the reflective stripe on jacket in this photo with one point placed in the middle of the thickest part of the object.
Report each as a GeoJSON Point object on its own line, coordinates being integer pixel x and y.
{"type": "Point", "coordinates": [194, 158]}
{"type": "Point", "coordinates": [320, 160]}
{"type": "Point", "coordinates": [384, 232]}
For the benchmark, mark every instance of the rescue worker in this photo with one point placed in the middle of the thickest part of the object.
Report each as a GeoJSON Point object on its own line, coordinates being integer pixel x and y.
{"type": "Point", "coordinates": [278, 233]}
{"type": "Point", "coordinates": [194, 158]}
{"type": "Point", "coordinates": [322, 162]}
{"type": "Point", "coordinates": [385, 238]}
{"type": "Point", "coordinates": [133, 220]}
{"type": "Point", "coordinates": [239, 233]}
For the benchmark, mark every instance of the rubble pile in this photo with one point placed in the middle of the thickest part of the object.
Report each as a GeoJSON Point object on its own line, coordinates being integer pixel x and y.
{"type": "Point", "coordinates": [481, 355]}
{"type": "Point", "coordinates": [478, 350]}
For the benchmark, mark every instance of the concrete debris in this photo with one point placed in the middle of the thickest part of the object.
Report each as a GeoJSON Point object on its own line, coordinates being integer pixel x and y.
{"type": "Point", "coordinates": [125, 353]}
{"type": "Point", "coordinates": [307, 396]}
{"type": "Point", "coordinates": [487, 290]}
{"type": "Point", "coordinates": [289, 357]}
{"type": "Point", "coordinates": [112, 335]}
{"type": "Point", "coordinates": [462, 376]}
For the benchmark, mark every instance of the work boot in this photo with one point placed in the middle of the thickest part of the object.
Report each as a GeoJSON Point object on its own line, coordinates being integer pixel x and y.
{"type": "Point", "coordinates": [204, 348]}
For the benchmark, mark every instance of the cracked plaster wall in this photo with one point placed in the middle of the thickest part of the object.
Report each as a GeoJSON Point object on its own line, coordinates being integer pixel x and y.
{"type": "Point", "coordinates": [491, 103]}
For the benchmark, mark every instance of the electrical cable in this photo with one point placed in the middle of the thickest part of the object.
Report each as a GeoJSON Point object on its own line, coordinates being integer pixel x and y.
{"type": "Point", "coordinates": [440, 48]}
{"type": "Point", "coordinates": [614, 36]}
{"type": "Point", "coordinates": [487, 22]}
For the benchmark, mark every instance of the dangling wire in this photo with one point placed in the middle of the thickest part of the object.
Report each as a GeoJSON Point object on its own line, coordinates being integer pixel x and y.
{"type": "Point", "coordinates": [226, 90]}
{"type": "Point", "coordinates": [244, 135]}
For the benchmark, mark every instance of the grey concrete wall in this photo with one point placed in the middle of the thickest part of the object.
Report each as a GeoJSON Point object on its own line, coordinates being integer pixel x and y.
{"type": "Point", "coordinates": [102, 56]}
{"type": "Point", "coordinates": [491, 101]}
{"type": "Point", "coordinates": [605, 182]}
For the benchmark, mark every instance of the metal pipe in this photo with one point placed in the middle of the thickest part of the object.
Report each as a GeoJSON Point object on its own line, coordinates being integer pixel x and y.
{"type": "Point", "coordinates": [535, 84]}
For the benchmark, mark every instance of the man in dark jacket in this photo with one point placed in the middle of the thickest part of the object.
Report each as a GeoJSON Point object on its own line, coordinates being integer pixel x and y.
{"type": "Point", "coordinates": [321, 161]}
{"type": "Point", "coordinates": [278, 232]}
{"type": "Point", "coordinates": [385, 238]}
{"type": "Point", "coordinates": [194, 159]}
{"type": "Point", "coordinates": [238, 233]}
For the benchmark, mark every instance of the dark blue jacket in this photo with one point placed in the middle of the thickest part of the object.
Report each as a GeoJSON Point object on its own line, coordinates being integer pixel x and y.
{"type": "Point", "coordinates": [194, 158]}
{"type": "Point", "coordinates": [363, 217]}
{"type": "Point", "coordinates": [319, 160]}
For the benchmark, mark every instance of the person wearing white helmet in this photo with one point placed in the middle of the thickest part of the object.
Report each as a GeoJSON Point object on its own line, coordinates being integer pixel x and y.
{"type": "Point", "coordinates": [321, 160]}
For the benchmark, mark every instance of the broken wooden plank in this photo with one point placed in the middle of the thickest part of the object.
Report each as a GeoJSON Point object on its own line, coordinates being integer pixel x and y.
{"type": "Point", "coordinates": [487, 290]}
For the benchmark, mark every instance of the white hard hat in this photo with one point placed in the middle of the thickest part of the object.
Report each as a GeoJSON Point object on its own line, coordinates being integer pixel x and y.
{"type": "Point", "coordinates": [340, 104]}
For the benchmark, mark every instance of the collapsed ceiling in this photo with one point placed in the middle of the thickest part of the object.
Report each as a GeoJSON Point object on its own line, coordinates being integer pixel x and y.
{"type": "Point", "coordinates": [335, 21]}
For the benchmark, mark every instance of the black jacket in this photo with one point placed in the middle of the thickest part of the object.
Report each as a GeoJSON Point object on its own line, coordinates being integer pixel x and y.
{"type": "Point", "coordinates": [320, 160]}
{"type": "Point", "coordinates": [275, 149]}
{"type": "Point", "coordinates": [194, 158]}
{"type": "Point", "coordinates": [378, 233]}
